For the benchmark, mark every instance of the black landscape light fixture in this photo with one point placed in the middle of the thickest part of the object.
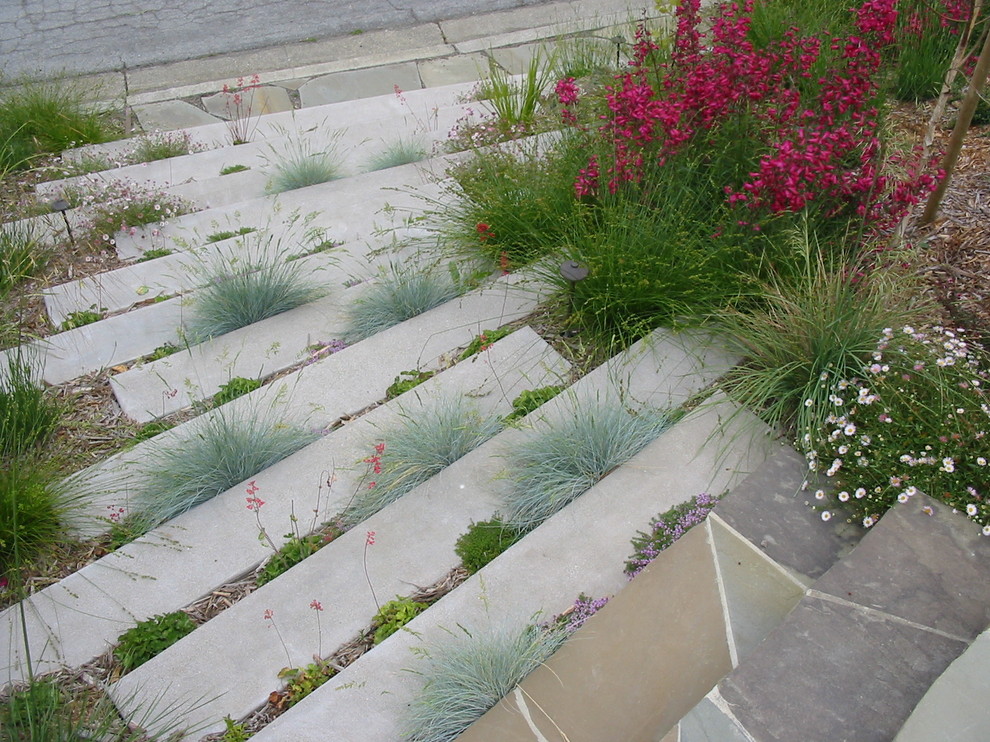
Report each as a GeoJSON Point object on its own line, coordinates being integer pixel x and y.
{"type": "Point", "coordinates": [572, 272]}
{"type": "Point", "coordinates": [60, 206]}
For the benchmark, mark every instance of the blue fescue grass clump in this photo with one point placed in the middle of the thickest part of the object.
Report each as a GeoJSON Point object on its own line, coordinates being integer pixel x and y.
{"type": "Point", "coordinates": [424, 442]}
{"type": "Point", "coordinates": [469, 674]}
{"type": "Point", "coordinates": [400, 152]}
{"type": "Point", "coordinates": [227, 447]}
{"type": "Point", "coordinates": [239, 293]}
{"type": "Point", "coordinates": [300, 165]}
{"type": "Point", "coordinates": [556, 465]}
{"type": "Point", "coordinates": [400, 293]}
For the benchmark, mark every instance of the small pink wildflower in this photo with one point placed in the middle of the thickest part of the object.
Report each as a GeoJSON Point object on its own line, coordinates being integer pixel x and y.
{"type": "Point", "coordinates": [316, 605]}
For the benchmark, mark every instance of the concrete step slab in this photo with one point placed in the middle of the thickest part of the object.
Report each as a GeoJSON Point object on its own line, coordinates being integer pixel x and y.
{"type": "Point", "coordinates": [340, 385]}
{"type": "Point", "coordinates": [350, 208]}
{"type": "Point", "coordinates": [581, 549]}
{"type": "Point", "coordinates": [197, 177]}
{"type": "Point", "coordinates": [76, 619]}
{"type": "Point", "coordinates": [279, 219]}
{"type": "Point", "coordinates": [214, 134]}
{"type": "Point", "coordinates": [443, 509]}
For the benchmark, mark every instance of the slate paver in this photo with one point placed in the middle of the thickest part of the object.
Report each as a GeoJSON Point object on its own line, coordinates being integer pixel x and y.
{"type": "Point", "coordinates": [171, 114]}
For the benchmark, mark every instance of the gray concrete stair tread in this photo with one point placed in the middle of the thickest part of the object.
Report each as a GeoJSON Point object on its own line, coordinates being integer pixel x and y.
{"type": "Point", "coordinates": [74, 620]}
{"type": "Point", "coordinates": [341, 207]}
{"type": "Point", "coordinates": [955, 709]}
{"type": "Point", "coordinates": [216, 135]}
{"type": "Point", "coordinates": [867, 641]}
{"type": "Point", "coordinates": [354, 144]}
{"type": "Point", "coordinates": [650, 374]}
{"type": "Point", "coordinates": [771, 509]}
{"type": "Point", "coordinates": [581, 549]}
{"type": "Point", "coordinates": [338, 215]}
{"type": "Point", "coordinates": [73, 353]}
{"type": "Point", "coordinates": [346, 382]}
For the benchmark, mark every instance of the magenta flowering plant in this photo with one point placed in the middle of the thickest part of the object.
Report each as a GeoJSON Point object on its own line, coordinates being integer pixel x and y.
{"type": "Point", "coordinates": [666, 528]}
{"type": "Point", "coordinates": [809, 142]}
{"type": "Point", "coordinates": [239, 104]}
{"type": "Point", "coordinates": [917, 419]}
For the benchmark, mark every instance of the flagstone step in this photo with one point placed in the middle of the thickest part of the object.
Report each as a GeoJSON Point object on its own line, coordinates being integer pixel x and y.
{"type": "Point", "coordinates": [704, 604]}
{"type": "Point", "coordinates": [665, 370]}
{"type": "Point", "coordinates": [579, 550]}
{"type": "Point", "coordinates": [866, 642]}
{"type": "Point", "coordinates": [955, 709]}
{"type": "Point", "coordinates": [342, 384]}
{"type": "Point", "coordinates": [352, 216]}
{"type": "Point", "coordinates": [415, 102]}
{"type": "Point", "coordinates": [76, 619]}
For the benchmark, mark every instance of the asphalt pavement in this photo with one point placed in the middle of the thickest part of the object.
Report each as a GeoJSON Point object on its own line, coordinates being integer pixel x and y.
{"type": "Point", "coordinates": [45, 37]}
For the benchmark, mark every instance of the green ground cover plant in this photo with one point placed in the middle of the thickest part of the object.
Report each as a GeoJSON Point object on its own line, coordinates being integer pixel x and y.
{"type": "Point", "coordinates": [483, 541]}
{"type": "Point", "coordinates": [236, 387]}
{"type": "Point", "coordinates": [155, 252]}
{"type": "Point", "coordinates": [231, 169]}
{"type": "Point", "coordinates": [117, 206]}
{"type": "Point", "coordinates": [393, 615]}
{"type": "Point", "coordinates": [913, 418]}
{"type": "Point", "coordinates": [553, 466]}
{"type": "Point", "coordinates": [151, 637]}
{"type": "Point", "coordinates": [398, 293]}
{"type": "Point", "coordinates": [82, 317]}
{"type": "Point", "coordinates": [484, 341]}
{"type": "Point", "coordinates": [530, 400]}
{"type": "Point", "coordinates": [227, 234]}
{"type": "Point", "coordinates": [295, 549]}
{"type": "Point", "coordinates": [161, 146]}
{"type": "Point", "coordinates": [46, 117]}
{"type": "Point", "coordinates": [424, 440]}
{"type": "Point", "coordinates": [666, 528]}
{"type": "Point", "coordinates": [407, 380]}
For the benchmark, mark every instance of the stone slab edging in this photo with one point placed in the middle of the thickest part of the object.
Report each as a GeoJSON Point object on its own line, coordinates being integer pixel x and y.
{"type": "Point", "coordinates": [883, 623]}
{"type": "Point", "coordinates": [581, 549]}
{"type": "Point", "coordinates": [76, 619]}
{"type": "Point", "coordinates": [665, 370]}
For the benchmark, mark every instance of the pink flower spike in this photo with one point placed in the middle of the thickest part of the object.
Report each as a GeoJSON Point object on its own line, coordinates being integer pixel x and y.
{"type": "Point", "coordinates": [252, 487]}
{"type": "Point", "coordinates": [316, 605]}
{"type": "Point", "coordinates": [370, 539]}
{"type": "Point", "coordinates": [269, 614]}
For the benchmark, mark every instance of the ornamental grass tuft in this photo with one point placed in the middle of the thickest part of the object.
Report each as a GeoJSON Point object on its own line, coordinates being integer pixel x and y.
{"type": "Point", "coordinates": [398, 294]}
{"type": "Point", "coordinates": [301, 165]}
{"type": "Point", "coordinates": [820, 323]}
{"type": "Point", "coordinates": [469, 674]}
{"type": "Point", "coordinates": [556, 465]}
{"type": "Point", "coordinates": [241, 291]}
{"type": "Point", "coordinates": [225, 447]}
{"type": "Point", "coordinates": [423, 443]}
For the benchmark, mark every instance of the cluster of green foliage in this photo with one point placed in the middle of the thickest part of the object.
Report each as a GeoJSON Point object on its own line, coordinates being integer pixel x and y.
{"type": "Point", "coordinates": [407, 380]}
{"type": "Point", "coordinates": [484, 541]}
{"type": "Point", "coordinates": [149, 638]}
{"type": "Point", "coordinates": [483, 340]}
{"type": "Point", "coordinates": [295, 549]}
{"type": "Point", "coordinates": [530, 400]}
{"type": "Point", "coordinates": [231, 169]}
{"type": "Point", "coordinates": [155, 252]}
{"type": "Point", "coordinates": [301, 681]}
{"type": "Point", "coordinates": [394, 615]}
{"type": "Point", "coordinates": [236, 387]}
{"type": "Point", "coordinates": [226, 234]}
{"type": "Point", "coordinates": [82, 317]}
